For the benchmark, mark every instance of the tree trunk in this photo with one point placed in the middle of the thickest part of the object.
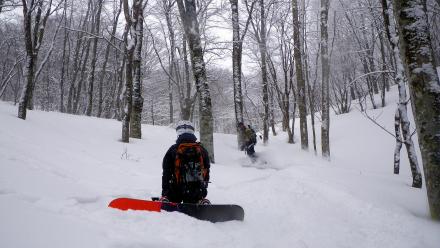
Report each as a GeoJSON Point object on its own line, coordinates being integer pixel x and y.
{"type": "Point", "coordinates": [272, 111]}
{"type": "Point", "coordinates": [129, 47]}
{"type": "Point", "coordinates": [265, 85]}
{"type": "Point", "coordinates": [236, 67]}
{"type": "Point", "coordinates": [167, 6]}
{"type": "Point", "coordinates": [128, 89]}
{"type": "Point", "coordinates": [81, 79]}
{"type": "Point", "coordinates": [95, 30]}
{"type": "Point", "coordinates": [401, 117]}
{"type": "Point", "coordinates": [384, 68]}
{"type": "Point", "coordinates": [310, 89]}
{"type": "Point", "coordinates": [187, 107]}
{"type": "Point", "coordinates": [63, 67]}
{"type": "Point", "coordinates": [32, 45]}
{"type": "Point", "coordinates": [301, 99]}
{"type": "Point", "coordinates": [76, 63]}
{"type": "Point", "coordinates": [424, 85]}
{"type": "Point", "coordinates": [104, 64]}
{"type": "Point", "coordinates": [170, 100]}
{"type": "Point", "coordinates": [27, 87]}
{"type": "Point", "coordinates": [30, 62]}
{"type": "Point", "coordinates": [188, 15]}
{"type": "Point", "coordinates": [325, 64]}
{"type": "Point", "coordinates": [138, 100]}
{"type": "Point", "coordinates": [119, 94]}
{"type": "Point", "coordinates": [38, 34]}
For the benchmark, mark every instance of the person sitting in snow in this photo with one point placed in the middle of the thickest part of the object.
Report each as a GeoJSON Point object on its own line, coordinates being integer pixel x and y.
{"type": "Point", "coordinates": [185, 167]}
{"type": "Point", "coordinates": [248, 139]}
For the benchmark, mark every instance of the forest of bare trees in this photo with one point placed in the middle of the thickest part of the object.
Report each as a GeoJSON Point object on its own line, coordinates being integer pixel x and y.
{"type": "Point", "coordinates": [218, 63]}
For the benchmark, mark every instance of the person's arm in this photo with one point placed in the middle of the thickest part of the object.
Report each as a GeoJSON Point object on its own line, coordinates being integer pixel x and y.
{"type": "Point", "coordinates": [167, 172]}
{"type": "Point", "coordinates": [206, 164]}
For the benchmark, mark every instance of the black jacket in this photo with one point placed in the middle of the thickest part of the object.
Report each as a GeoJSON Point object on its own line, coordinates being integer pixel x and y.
{"type": "Point", "coordinates": [171, 190]}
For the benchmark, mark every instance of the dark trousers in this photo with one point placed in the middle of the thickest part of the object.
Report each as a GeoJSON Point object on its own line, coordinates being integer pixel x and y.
{"type": "Point", "coordinates": [250, 150]}
{"type": "Point", "coordinates": [187, 193]}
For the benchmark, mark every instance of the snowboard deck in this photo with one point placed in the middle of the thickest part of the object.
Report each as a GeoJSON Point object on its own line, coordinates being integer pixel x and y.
{"type": "Point", "coordinates": [212, 213]}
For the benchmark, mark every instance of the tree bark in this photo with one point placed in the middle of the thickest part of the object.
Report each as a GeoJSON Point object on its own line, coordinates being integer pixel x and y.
{"type": "Point", "coordinates": [129, 47]}
{"type": "Point", "coordinates": [325, 64]}
{"type": "Point", "coordinates": [138, 100]}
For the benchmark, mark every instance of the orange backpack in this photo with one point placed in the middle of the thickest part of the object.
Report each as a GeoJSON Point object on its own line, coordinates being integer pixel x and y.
{"type": "Point", "coordinates": [189, 166]}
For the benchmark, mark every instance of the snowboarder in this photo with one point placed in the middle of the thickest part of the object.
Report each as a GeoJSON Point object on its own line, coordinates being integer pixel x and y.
{"type": "Point", "coordinates": [185, 167]}
{"type": "Point", "coordinates": [249, 139]}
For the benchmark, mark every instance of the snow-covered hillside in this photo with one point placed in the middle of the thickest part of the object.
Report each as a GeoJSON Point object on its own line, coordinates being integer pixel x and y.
{"type": "Point", "coordinates": [58, 172]}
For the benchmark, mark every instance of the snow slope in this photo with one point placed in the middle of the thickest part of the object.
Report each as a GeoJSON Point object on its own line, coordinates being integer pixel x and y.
{"type": "Point", "coordinates": [58, 172]}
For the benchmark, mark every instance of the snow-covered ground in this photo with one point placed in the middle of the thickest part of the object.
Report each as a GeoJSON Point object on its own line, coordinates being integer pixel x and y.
{"type": "Point", "coordinates": [58, 172]}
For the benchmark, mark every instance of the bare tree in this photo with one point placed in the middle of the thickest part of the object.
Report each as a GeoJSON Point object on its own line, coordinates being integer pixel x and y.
{"type": "Point", "coordinates": [173, 67]}
{"type": "Point", "coordinates": [7, 73]}
{"type": "Point", "coordinates": [95, 30]}
{"type": "Point", "coordinates": [33, 36]}
{"type": "Point", "coordinates": [301, 99]}
{"type": "Point", "coordinates": [9, 5]}
{"type": "Point", "coordinates": [64, 64]}
{"type": "Point", "coordinates": [311, 88]}
{"type": "Point", "coordinates": [74, 90]}
{"type": "Point", "coordinates": [401, 120]}
{"type": "Point", "coordinates": [424, 85]}
{"type": "Point", "coordinates": [129, 48]}
{"type": "Point", "coordinates": [117, 12]}
{"type": "Point", "coordinates": [260, 33]}
{"type": "Point", "coordinates": [237, 53]}
{"type": "Point", "coordinates": [188, 14]}
{"type": "Point", "coordinates": [283, 92]}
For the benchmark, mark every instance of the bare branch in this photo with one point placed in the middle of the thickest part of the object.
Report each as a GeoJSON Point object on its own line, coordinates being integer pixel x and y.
{"type": "Point", "coordinates": [96, 36]}
{"type": "Point", "coordinates": [364, 113]}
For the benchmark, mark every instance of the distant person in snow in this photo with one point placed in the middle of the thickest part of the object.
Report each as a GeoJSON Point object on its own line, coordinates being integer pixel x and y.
{"type": "Point", "coordinates": [248, 139]}
{"type": "Point", "coordinates": [185, 166]}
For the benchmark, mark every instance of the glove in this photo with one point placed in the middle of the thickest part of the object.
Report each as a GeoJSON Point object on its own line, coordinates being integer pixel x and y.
{"type": "Point", "coordinates": [205, 184]}
{"type": "Point", "coordinates": [204, 201]}
{"type": "Point", "coordinates": [164, 199]}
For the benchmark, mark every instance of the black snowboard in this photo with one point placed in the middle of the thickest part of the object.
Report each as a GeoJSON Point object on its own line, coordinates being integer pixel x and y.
{"type": "Point", "coordinates": [213, 213]}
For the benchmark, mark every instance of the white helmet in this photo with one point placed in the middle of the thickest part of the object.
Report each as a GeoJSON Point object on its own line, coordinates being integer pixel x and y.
{"type": "Point", "coordinates": [184, 127]}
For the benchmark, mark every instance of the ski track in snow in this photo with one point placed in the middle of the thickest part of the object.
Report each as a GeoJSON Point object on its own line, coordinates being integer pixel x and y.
{"type": "Point", "coordinates": [58, 173]}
